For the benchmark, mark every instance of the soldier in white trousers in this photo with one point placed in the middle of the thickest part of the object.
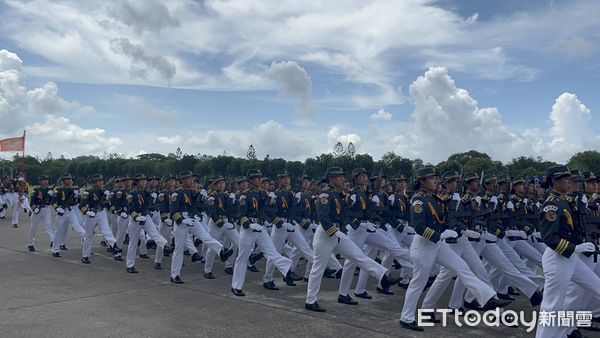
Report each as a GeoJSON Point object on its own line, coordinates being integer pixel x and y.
{"type": "Point", "coordinates": [64, 202]}
{"type": "Point", "coordinates": [41, 199]}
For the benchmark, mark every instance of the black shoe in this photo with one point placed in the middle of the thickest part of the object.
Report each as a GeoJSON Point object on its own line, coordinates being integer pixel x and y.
{"type": "Point", "coordinates": [118, 258]}
{"type": "Point", "coordinates": [209, 275]}
{"type": "Point", "coordinates": [15, 226]}
{"type": "Point", "coordinates": [150, 244]}
{"type": "Point", "coordinates": [197, 242]}
{"type": "Point", "coordinates": [144, 256]}
{"type": "Point", "coordinates": [338, 274]}
{"type": "Point", "coordinates": [346, 300]}
{"type": "Point", "coordinates": [411, 326]}
{"type": "Point", "coordinates": [30, 248]}
{"type": "Point", "coordinates": [474, 305]}
{"type": "Point", "coordinates": [228, 271]}
{"type": "Point", "coordinates": [314, 307]}
{"type": "Point", "coordinates": [512, 292]}
{"type": "Point", "coordinates": [329, 273]}
{"type": "Point", "coordinates": [255, 258]}
{"type": "Point", "coordinates": [432, 319]}
{"type": "Point", "coordinates": [85, 260]}
{"type": "Point", "coordinates": [116, 249]}
{"type": "Point", "coordinates": [495, 303]}
{"type": "Point", "coordinates": [238, 292]}
{"type": "Point", "coordinates": [388, 281]}
{"type": "Point", "coordinates": [288, 279]}
{"type": "Point", "coordinates": [103, 243]}
{"type": "Point", "coordinates": [176, 280]}
{"type": "Point", "coordinates": [270, 286]}
{"type": "Point", "coordinates": [403, 285]}
{"type": "Point", "coordinates": [363, 295]}
{"type": "Point", "coordinates": [157, 266]}
{"type": "Point", "coordinates": [384, 291]}
{"type": "Point", "coordinates": [110, 249]}
{"type": "Point", "coordinates": [131, 270]}
{"type": "Point", "coordinates": [56, 254]}
{"type": "Point", "coordinates": [64, 247]}
{"type": "Point", "coordinates": [505, 296]}
{"type": "Point", "coordinates": [225, 254]}
{"type": "Point", "coordinates": [252, 268]}
{"type": "Point", "coordinates": [536, 298]}
{"type": "Point", "coordinates": [196, 257]}
{"type": "Point", "coordinates": [295, 277]}
{"type": "Point", "coordinates": [186, 252]}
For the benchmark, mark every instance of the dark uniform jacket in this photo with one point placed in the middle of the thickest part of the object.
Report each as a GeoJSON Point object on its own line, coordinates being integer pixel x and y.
{"type": "Point", "coordinates": [428, 215]}
{"type": "Point", "coordinates": [557, 226]}
{"type": "Point", "coordinates": [330, 212]}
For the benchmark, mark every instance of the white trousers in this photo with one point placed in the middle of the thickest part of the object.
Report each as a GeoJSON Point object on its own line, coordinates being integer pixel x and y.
{"type": "Point", "coordinates": [62, 225]}
{"type": "Point", "coordinates": [182, 233]}
{"type": "Point", "coordinates": [500, 281]}
{"type": "Point", "coordinates": [559, 272]}
{"type": "Point", "coordinates": [227, 231]}
{"type": "Point", "coordinates": [323, 246]}
{"type": "Point", "coordinates": [424, 254]}
{"type": "Point", "coordinates": [248, 238]}
{"type": "Point", "coordinates": [122, 224]}
{"type": "Point", "coordinates": [44, 217]}
{"type": "Point", "coordinates": [291, 233]}
{"type": "Point", "coordinates": [135, 229]}
{"type": "Point", "coordinates": [101, 221]}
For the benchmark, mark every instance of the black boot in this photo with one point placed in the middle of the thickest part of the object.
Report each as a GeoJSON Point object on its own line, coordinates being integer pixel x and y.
{"type": "Point", "coordinates": [411, 326]}
{"type": "Point", "coordinates": [346, 300]}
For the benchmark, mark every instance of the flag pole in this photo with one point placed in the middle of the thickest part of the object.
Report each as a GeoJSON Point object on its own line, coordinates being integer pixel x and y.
{"type": "Point", "coordinates": [23, 157]}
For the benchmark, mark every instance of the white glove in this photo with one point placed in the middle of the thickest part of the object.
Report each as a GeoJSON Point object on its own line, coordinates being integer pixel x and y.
{"type": "Point", "coordinates": [510, 205]}
{"type": "Point", "coordinates": [392, 198]}
{"type": "Point", "coordinates": [525, 201]}
{"type": "Point", "coordinates": [537, 234]}
{"type": "Point", "coordinates": [341, 235]}
{"type": "Point", "coordinates": [90, 213]}
{"type": "Point", "coordinates": [494, 200]}
{"type": "Point", "coordinates": [471, 233]}
{"type": "Point", "coordinates": [107, 193]}
{"type": "Point", "coordinates": [154, 195]}
{"type": "Point", "coordinates": [353, 198]}
{"type": "Point", "coordinates": [50, 192]}
{"type": "Point", "coordinates": [456, 197]}
{"type": "Point", "coordinates": [370, 227]}
{"type": "Point", "coordinates": [298, 196]}
{"type": "Point", "coordinates": [256, 227]}
{"type": "Point", "coordinates": [448, 234]}
{"type": "Point", "coordinates": [522, 234]}
{"type": "Point", "coordinates": [273, 197]}
{"type": "Point", "coordinates": [123, 214]}
{"type": "Point", "coordinates": [585, 247]}
{"type": "Point", "coordinates": [538, 204]}
{"type": "Point", "coordinates": [375, 199]}
{"type": "Point", "coordinates": [188, 221]}
{"type": "Point", "coordinates": [60, 211]}
{"type": "Point", "coordinates": [232, 196]}
{"type": "Point", "coordinates": [584, 200]}
{"type": "Point", "coordinates": [36, 210]}
{"type": "Point", "coordinates": [76, 192]}
{"type": "Point", "coordinates": [291, 227]}
{"type": "Point", "coordinates": [478, 200]}
{"type": "Point", "coordinates": [203, 193]}
{"type": "Point", "coordinates": [272, 194]}
{"type": "Point", "coordinates": [169, 222]}
{"type": "Point", "coordinates": [140, 219]}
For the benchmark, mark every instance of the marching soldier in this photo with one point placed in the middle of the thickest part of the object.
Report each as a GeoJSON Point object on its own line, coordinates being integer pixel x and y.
{"type": "Point", "coordinates": [561, 261]}
{"type": "Point", "coordinates": [64, 203]}
{"type": "Point", "coordinates": [93, 205]}
{"type": "Point", "coordinates": [428, 217]}
{"type": "Point", "coordinates": [40, 203]}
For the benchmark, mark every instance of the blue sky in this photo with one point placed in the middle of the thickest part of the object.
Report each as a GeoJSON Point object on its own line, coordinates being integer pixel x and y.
{"type": "Point", "coordinates": [421, 78]}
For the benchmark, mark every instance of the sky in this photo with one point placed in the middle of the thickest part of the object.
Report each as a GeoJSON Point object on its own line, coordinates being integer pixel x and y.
{"type": "Point", "coordinates": [424, 79]}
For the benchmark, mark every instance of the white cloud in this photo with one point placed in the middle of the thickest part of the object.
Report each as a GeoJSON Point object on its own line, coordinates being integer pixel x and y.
{"type": "Point", "coordinates": [334, 135]}
{"type": "Point", "coordinates": [45, 100]}
{"type": "Point", "coordinates": [141, 15]}
{"type": "Point", "coordinates": [12, 91]}
{"type": "Point", "coordinates": [293, 80]}
{"type": "Point", "coordinates": [381, 115]}
{"type": "Point", "coordinates": [170, 140]}
{"type": "Point", "coordinates": [143, 62]}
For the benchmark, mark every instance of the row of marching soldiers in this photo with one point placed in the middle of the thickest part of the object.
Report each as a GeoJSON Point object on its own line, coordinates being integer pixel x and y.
{"type": "Point", "coordinates": [488, 235]}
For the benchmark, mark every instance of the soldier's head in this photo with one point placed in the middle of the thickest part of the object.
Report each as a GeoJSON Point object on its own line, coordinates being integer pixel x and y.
{"type": "Point", "coordinates": [97, 181]}
{"type": "Point", "coordinates": [450, 180]}
{"type": "Point", "coordinates": [489, 182]}
{"type": "Point", "coordinates": [518, 186]}
{"type": "Point", "coordinates": [283, 179]}
{"type": "Point", "coordinates": [401, 183]}
{"type": "Point", "coordinates": [591, 182]}
{"type": "Point", "coordinates": [218, 183]}
{"type": "Point", "coordinates": [360, 177]}
{"type": "Point", "coordinates": [67, 180]}
{"type": "Point", "coordinates": [471, 182]}
{"type": "Point", "coordinates": [186, 178]}
{"type": "Point", "coordinates": [254, 177]}
{"type": "Point", "coordinates": [242, 184]}
{"type": "Point", "coordinates": [129, 182]}
{"type": "Point", "coordinates": [558, 178]}
{"type": "Point", "coordinates": [43, 179]}
{"type": "Point", "coordinates": [169, 182]}
{"type": "Point", "coordinates": [141, 181]}
{"type": "Point", "coordinates": [335, 177]}
{"type": "Point", "coordinates": [154, 181]}
{"type": "Point", "coordinates": [427, 179]}
{"type": "Point", "coordinates": [378, 181]}
{"type": "Point", "coordinates": [305, 183]}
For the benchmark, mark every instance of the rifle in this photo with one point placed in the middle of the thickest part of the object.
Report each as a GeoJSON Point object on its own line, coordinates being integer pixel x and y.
{"type": "Point", "coordinates": [589, 224]}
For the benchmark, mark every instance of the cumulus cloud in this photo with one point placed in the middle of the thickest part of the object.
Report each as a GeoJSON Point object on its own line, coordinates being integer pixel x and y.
{"type": "Point", "coordinates": [141, 15]}
{"type": "Point", "coordinates": [60, 135]}
{"type": "Point", "coordinates": [12, 91]}
{"type": "Point", "coordinates": [381, 115]}
{"type": "Point", "coordinates": [170, 140]}
{"type": "Point", "coordinates": [143, 62]}
{"type": "Point", "coordinates": [293, 80]}
{"type": "Point", "coordinates": [45, 100]}
{"type": "Point", "coordinates": [334, 135]}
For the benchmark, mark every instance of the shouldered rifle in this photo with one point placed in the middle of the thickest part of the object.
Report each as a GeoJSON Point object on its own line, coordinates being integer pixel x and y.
{"type": "Point", "coordinates": [588, 224]}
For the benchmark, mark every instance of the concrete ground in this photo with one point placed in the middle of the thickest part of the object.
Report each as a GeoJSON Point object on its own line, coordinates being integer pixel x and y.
{"type": "Point", "coordinates": [45, 296]}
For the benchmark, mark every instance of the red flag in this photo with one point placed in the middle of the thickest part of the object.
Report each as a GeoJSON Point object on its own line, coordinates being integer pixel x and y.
{"type": "Point", "coordinates": [12, 144]}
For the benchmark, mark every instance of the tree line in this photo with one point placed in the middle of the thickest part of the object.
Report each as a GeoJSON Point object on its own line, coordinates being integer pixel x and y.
{"type": "Point", "coordinates": [390, 164]}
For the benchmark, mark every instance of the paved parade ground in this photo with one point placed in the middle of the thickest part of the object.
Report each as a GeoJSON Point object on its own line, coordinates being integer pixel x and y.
{"type": "Point", "coordinates": [60, 297]}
